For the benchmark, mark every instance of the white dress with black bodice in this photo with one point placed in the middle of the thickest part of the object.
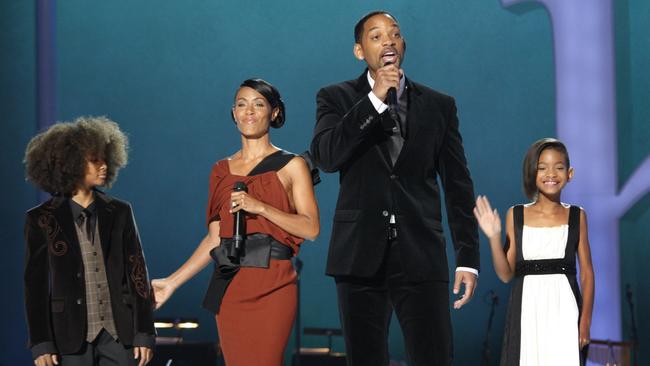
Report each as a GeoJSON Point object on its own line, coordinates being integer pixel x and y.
{"type": "Point", "coordinates": [544, 306]}
{"type": "Point", "coordinates": [549, 312]}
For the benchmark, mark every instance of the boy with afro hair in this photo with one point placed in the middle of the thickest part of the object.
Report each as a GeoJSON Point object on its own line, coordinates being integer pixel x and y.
{"type": "Point", "coordinates": [87, 295]}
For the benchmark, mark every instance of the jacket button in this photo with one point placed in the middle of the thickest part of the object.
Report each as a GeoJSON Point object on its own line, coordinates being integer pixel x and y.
{"type": "Point", "coordinates": [78, 301]}
{"type": "Point", "coordinates": [393, 176]}
{"type": "Point", "coordinates": [384, 213]}
{"type": "Point", "coordinates": [78, 274]}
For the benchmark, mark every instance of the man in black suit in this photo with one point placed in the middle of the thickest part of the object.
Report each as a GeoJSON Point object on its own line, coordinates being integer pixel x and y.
{"type": "Point", "coordinates": [87, 294]}
{"type": "Point", "coordinates": [387, 249]}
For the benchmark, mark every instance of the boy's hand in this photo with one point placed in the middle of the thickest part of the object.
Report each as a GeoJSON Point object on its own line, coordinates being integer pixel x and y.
{"type": "Point", "coordinates": [48, 359]}
{"type": "Point", "coordinates": [144, 354]}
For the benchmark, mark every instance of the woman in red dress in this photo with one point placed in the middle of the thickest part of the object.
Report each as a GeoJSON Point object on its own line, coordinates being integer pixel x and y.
{"type": "Point", "coordinates": [253, 289]}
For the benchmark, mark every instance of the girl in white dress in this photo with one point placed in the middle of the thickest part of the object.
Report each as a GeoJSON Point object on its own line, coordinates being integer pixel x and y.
{"type": "Point", "coordinates": [548, 318]}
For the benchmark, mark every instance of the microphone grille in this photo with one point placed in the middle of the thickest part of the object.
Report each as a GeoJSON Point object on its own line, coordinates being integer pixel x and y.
{"type": "Point", "coordinates": [239, 186]}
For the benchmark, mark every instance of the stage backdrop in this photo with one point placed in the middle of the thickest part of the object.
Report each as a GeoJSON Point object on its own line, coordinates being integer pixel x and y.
{"type": "Point", "coordinates": [167, 73]}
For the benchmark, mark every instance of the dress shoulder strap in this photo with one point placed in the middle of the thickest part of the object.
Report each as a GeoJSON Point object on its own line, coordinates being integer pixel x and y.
{"type": "Point", "coordinates": [518, 222]}
{"type": "Point", "coordinates": [574, 217]}
{"type": "Point", "coordinates": [273, 162]}
{"type": "Point", "coordinates": [573, 238]}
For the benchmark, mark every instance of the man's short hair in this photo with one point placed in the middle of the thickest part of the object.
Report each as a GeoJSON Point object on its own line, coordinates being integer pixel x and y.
{"type": "Point", "coordinates": [358, 28]}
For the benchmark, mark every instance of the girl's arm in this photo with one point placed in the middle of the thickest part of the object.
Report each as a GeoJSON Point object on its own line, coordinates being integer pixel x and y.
{"type": "Point", "coordinates": [489, 221]}
{"type": "Point", "coordinates": [305, 223]}
{"type": "Point", "coordinates": [165, 287]}
{"type": "Point", "coordinates": [587, 285]}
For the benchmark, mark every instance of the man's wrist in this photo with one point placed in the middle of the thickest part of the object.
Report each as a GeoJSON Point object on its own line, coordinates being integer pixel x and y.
{"type": "Point", "coordinates": [467, 269]}
{"type": "Point", "coordinates": [379, 105]}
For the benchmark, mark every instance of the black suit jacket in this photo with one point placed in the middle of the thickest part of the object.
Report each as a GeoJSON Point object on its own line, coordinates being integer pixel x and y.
{"type": "Point", "coordinates": [348, 138]}
{"type": "Point", "coordinates": [54, 276]}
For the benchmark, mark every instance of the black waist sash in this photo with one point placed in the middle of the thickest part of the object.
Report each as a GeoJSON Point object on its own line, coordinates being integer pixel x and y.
{"type": "Point", "coordinates": [545, 266]}
{"type": "Point", "coordinates": [257, 251]}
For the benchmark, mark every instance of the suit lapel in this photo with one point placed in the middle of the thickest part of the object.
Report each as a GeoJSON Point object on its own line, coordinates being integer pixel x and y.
{"type": "Point", "coordinates": [363, 88]}
{"type": "Point", "coordinates": [383, 151]}
{"type": "Point", "coordinates": [413, 117]}
{"type": "Point", "coordinates": [63, 216]}
{"type": "Point", "coordinates": [362, 85]}
{"type": "Point", "coordinates": [105, 218]}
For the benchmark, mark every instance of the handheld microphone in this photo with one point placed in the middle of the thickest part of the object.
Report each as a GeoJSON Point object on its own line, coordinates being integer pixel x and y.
{"type": "Point", "coordinates": [391, 101]}
{"type": "Point", "coordinates": [239, 228]}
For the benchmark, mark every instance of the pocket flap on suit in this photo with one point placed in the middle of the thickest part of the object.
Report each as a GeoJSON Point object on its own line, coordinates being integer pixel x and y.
{"type": "Point", "coordinates": [57, 305]}
{"type": "Point", "coordinates": [346, 215]}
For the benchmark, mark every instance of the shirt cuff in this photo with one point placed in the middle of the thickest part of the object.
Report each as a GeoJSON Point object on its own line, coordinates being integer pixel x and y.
{"type": "Point", "coordinates": [467, 269]}
{"type": "Point", "coordinates": [379, 105]}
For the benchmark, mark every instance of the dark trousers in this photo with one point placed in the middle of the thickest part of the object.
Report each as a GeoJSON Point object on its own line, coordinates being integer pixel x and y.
{"type": "Point", "coordinates": [422, 308]}
{"type": "Point", "coordinates": [103, 351]}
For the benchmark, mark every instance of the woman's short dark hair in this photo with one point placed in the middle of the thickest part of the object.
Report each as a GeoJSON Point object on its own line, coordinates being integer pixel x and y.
{"type": "Point", "coordinates": [532, 160]}
{"type": "Point", "coordinates": [56, 159]}
{"type": "Point", "coordinates": [271, 94]}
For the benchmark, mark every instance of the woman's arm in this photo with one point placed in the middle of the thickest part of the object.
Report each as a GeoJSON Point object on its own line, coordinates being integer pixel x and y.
{"type": "Point", "coordinates": [587, 285]}
{"type": "Point", "coordinates": [305, 223]}
{"type": "Point", "coordinates": [165, 287]}
{"type": "Point", "coordinates": [490, 223]}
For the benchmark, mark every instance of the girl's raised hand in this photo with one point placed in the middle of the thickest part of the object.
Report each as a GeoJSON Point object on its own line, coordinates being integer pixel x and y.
{"type": "Point", "coordinates": [488, 218]}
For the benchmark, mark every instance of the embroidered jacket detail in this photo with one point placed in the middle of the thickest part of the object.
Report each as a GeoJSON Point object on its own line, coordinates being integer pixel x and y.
{"type": "Point", "coordinates": [51, 227]}
{"type": "Point", "coordinates": [139, 275]}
